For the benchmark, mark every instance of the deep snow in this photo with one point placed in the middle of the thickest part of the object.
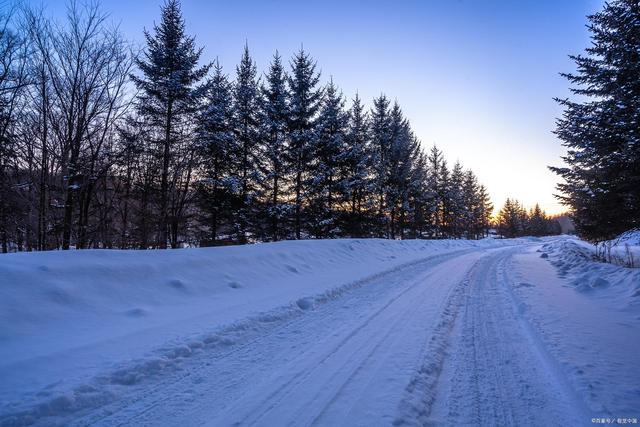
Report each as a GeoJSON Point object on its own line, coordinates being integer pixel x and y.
{"type": "Point", "coordinates": [68, 317]}
{"type": "Point", "coordinates": [364, 331]}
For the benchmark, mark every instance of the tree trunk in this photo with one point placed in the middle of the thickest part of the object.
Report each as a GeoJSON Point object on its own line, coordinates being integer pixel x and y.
{"type": "Point", "coordinates": [125, 213]}
{"type": "Point", "coordinates": [68, 205]}
{"type": "Point", "coordinates": [174, 232]}
{"type": "Point", "coordinates": [298, 200]}
{"type": "Point", "coordinates": [4, 235]}
{"type": "Point", "coordinates": [164, 185]}
{"type": "Point", "coordinates": [83, 220]}
{"type": "Point", "coordinates": [243, 201]}
{"type": "Point", "coordinates": [274, 219]}
{"type": "Point", "coordinates": [42, 203]}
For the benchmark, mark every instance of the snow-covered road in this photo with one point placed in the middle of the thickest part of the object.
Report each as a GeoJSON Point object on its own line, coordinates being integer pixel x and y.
{"type": "Point", "coordinates": [347, 361]}
{"type": "Point", "coordinates": [498, 372]}
{"type": "Point", "coordinates": [447, 339]}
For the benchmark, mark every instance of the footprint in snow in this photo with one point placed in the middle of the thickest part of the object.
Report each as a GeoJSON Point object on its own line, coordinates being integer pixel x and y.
{"type": "Point", "coordinates": [60, 296]}
{"type": "Point", "coordinates": [305, 303]}
{"type": "Point", "coordinates": [136, 312]}
{"type": "Point", "coordinates": [177, 284]}
{"type": "Point", "coordinates": [524, 285]}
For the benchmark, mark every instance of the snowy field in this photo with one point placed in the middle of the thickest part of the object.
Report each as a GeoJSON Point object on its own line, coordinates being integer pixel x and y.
{"type": "Point", "coordinates": [335, 332]}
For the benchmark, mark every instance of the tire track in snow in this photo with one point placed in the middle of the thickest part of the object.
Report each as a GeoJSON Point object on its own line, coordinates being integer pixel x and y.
{"type": "Point", "coordinates": [375, 352]}
{"type": "Point", "coordinates": [444, 312]}
{"type": "Point", "coordinates": [420, 393]}
{"type": "Point", "coordinates": [498, 373]}
{"type": "Point", "coordinates": [341, 374]}
{"type": "Point", "coordinates": [285, 390]}
{"type": "Point", "coordinates": [152, 397]}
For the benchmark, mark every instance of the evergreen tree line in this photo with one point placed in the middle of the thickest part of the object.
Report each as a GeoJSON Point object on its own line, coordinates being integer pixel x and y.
{"type": "Point", "coordinates": [102, 146]}
{"type": "Point", "coordinates": [601, 129]}
{"type": "Point", "coordinates": [513, 220]}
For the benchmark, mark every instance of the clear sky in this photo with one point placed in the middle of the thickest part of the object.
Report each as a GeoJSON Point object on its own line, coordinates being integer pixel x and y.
{"type": "Point", "coordinates": [476, 77]}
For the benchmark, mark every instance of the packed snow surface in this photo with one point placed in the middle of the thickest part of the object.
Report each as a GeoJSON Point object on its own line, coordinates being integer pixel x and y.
{"type": "Point", "coordinates": [337, 332]}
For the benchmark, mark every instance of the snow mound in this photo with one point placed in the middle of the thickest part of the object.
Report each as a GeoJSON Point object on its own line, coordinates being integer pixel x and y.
{"type": "Point", "coordinates": [578, 262]}
{"type": "Point", "coordinates": [631, 238]}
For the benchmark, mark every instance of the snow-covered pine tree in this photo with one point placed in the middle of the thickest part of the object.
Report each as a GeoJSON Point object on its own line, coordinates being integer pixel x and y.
{"type": "Point", "coordinates": [170, 86]}
{"type": "Point", "coordinates": [484, 211]}
{"type": "Point", "coordinates": [323, 184]}
{"type": "Point", "coordinates": [380, 131]}
{"type": "Point", "coordinates": [420, 195]}
{"type": "Point", "coordinates": [435, 161]}
{"type": "Point", "coordinates": [304, 103]}
{"type": "Point", "coordinates": [356, 182]}
{"type": "Point", "coordinates": [244, 154]}
{"type": "Point", "coordinates": [275, 169]}
{"type": "Point", "coordinates": [215, 138]}
{"type": "Point", "coordinates": [602, 129]}
{"type": "Point", "coordinates": [411, 185]}
{"type": "Point", "coordinates": [399, 166]}
{"type": "Point", "coordinates": [469, 207]}
{"type": "Point", "coordinates": [457, 204]}
{"type": "Point", "coordinates": [444, 198]}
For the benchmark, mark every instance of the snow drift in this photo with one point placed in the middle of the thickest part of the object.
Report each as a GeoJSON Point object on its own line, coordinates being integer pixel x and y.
{"type": "Point", "coordinates": [578, 262]}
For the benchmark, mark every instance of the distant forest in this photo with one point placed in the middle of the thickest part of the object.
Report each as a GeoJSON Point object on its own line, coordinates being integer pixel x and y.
{"type": "Point", "coordinates": [102, 146]}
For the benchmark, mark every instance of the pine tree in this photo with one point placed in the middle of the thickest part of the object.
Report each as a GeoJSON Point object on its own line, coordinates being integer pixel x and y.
{"type": "Point", "coordinates": [435, 163]}
{"type": "Point", "coordinates": [470, 208]}
{"type": "Point", "coordinates": [170, 87]}
{"type": "Point", "coordinates": [421, 197]}
{"type": "Point", "coordinates": [457, 204]}
{"type": "Point", "coordinates": [537, 219]}
{"type": "Point", "coordinates": [380, 130]}
{"type": "Point", "coordinates": [411, 172]}
{"type": "Point", "coordinates": [244, 156]}
{"type": "Point", "coordinates": [483, 212]}
{"type": "Point", "coordinates": [274, 114]}
{"type": "Point", "coordinates": [215, 138]}
{"type": "Point", "coordinates": [602, 130]}
{"type": "Point", "coordinates": [356, 160]}
{"type": "Point", "coordinates": [304, 103]}
{"type": "Point", "coordinates": [444, 198]}
{"type": "Point", "coordinates": [323, 184]}
{"type": "Point", "coordinates": [510, 219]}
{"type": "Point", "coordinates": [398, 171]}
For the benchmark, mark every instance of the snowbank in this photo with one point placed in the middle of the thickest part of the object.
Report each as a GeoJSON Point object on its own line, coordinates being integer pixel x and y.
{"type": "Point", "coordinates": [625, 249]}
{"type": "Point", "coordinates": [69, 317]}
{"type": "Point", "coordinates": [587, 314]}
{"type": "Point", "coordinates": [631, 238]}
{"type": "Point", "coordinates": [577, 261]}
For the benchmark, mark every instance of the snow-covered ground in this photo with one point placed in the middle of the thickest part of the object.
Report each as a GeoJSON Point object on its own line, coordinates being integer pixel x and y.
{"type": "Point", "coordinates": [625, 249]}
{"type": "Point", "coordinates": [349, 332]}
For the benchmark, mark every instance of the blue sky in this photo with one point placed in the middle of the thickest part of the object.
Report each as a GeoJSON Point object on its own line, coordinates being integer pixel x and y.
{"type": "Point", "coordinates": [476, 77]}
